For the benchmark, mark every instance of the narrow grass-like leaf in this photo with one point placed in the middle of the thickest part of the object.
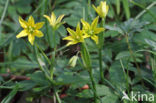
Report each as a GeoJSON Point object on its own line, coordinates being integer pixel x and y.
{"type": "Point", "coordinates": [126, 8]}
{"type": "Point", "coordinates": [8, 98]}
{"type": "Point", "coordinates": [118, 6]}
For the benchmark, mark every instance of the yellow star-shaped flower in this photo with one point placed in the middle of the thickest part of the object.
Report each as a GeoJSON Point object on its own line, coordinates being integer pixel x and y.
{"type": "Point", "coordinates": [75, 36]}
{"type": "Point", "coordinates": [30, 29]}
{"type": "Point", "coordinates": [92, 30]}
{"type": "Point", "coordinates": [102, 9]}
{"type": "Point", "coordinates": [55, 23]}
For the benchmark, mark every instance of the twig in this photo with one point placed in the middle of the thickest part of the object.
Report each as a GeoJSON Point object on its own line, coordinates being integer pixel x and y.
{"type": "Point", "coordinates": [15, 77]}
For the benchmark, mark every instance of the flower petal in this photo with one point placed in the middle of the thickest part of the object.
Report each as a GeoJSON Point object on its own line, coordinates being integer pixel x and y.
{"type": "Point", "coordinates": [48, 18]}
{"type": "Point", "coordinates": [95, 38]}
{"type": "Point", "coordinates": [103, 7]}
{"type": "Point", "coordinates": [31, 39]}
{"type": "Point", "coordinates": [78, 28]}
{"type": "Point", "coordinates": [107, 8]}
{"type": "Point", "coordinates": [39, 25]}
{"type": "Point", "coordinates": [59, 18]}
{"type": "Point", "coordinates": [95, 22]}
{"type": "Point", "coordinates": [86, 26]}
{"type": "Point", "coordinates": [31, 21]}
{"type": "Point", "coordinates": [98, 30]}
{"type": "Point", "coordinates": [95, 8]}
{"type": "Point", "coordinates": [71, 43]}
{"type": "Point", "coordinates": [23, 33]}
{"type": "Point", "coordinates": [68, 38]}
{"type": "Point", "coordinates": [38, 33]}
{"type": "Point", "coordinates": [53, 18]}
{"type": "Point", "coordinates": [86, 35]}
{"type": "Point", "coordinates": [22, 23]}
{"type": "Point", "coordinates": [71, 32]}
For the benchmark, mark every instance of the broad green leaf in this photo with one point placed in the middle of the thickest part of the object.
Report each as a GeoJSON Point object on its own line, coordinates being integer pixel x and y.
{"type": "Point", "coordinates": [102, 90]}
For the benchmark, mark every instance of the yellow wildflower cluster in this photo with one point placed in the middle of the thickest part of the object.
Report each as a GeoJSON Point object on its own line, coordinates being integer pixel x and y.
{"type": "Point", "coordinates": [88, 30]}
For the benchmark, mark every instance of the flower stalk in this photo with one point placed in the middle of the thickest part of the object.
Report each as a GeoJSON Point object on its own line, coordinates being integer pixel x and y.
{"type": "Point", "coordinates": [101, 43]}
{"type": "Point", "coordinates": [87, 63]}
{"type": "Point", "coordinates": [133, 56]}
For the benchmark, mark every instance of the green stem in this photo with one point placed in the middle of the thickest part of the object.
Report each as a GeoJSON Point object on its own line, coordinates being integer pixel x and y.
{"type": "Point", "coordinates": [145, 9]}
{"type": "Point", "coordinates": [87, 64]}
{"type": "Point", "coordinates": [94, 86]}
{"type": "Point", "coordinates": [45, 56]}
{"type": "Point", "coordinates": [40, 66]}
{"type": "Point", "coordinates": [3, 15]}
{"type": "Point", "coordinates": [47, 75]}
{"type": "Point", "coordinates": [134, 58]}
{"type": "Point", "coordinates": [125, 75]}
{"type": "Point", "coordinates": [53, 54]}
{"type": "Point", "coordinates": [4, 12]}
{"type": "Point", "coordinates": [57, 97]}
{"type": "Point", "coordinates": [101, 43]}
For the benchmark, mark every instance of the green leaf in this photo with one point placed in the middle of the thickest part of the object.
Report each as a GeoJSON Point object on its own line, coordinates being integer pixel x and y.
{"type": "Point", "coordinates": [102, 90]}
{"type": "Point", "coordinates": [110, 99]}
{"type": "Point", "coordinates": [151, 43]}
{"type": "Point", "coordinates": [126, 55]}
{"type": "Point", "coordinates": [65, 78]}
{"type": "Point", "coordinates": [23, 63]}
{"type": "Point", "coordinates": [39, 78]}
{"type": "Point", "coordinates": [117, 76]}
{"type": "Point", "coordinates": [126, 8]}
{"type": "Point", "coordinates": [8, 98]}
{"type": "Point", "coordinates": [118, 6]}
{"type": "Point", "coordinates": [26, 85]}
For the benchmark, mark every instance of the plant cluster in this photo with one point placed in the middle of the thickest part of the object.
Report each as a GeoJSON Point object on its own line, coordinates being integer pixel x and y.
{"type": "Point", "coordinates": [95, 51]}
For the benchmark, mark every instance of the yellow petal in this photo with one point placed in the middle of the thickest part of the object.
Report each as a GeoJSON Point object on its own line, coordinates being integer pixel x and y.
{"type": "Point", "coordinates": [38, 33]}
{"type": "Point", "coordinates": [68, 38]}
{"type": "Point", "coordinates": [39, 25]}
{"type": "Point", "coordinates": [59, 18]}
{"type": "Point", "coordinates": [53, 18]}
{"type": "Point", "coordinates": [71, 43]}
{"type": "Point", "coordinates": [23, 33]}
{"type": "Point", "coordinates": [71, 32]}
{"type": "Point", "coordinates": [86, 35]}
{"type": "Point", "coordinates": [107, 8]}
{"type": "Point", "coordinates": [22, 23]}
{"type": "Point", "coordinates": [95, 38]}
{"type": "Point", "coordinates": [48, 18]}
{"type": "Point", "coordinates": [78, 28]}
{"type": "Point", "coordinates": [95, 8]}
{"type": "Point", "coordinates": [86, 26]}
{"type": "Point", "coordinates": [31, 39]}
{"type": "Point", "coordinates": [98, 30]}
{"type": "Point", "coordinates": [31, 21]}
{"type": "Point", "coordinates": [103, 7]}
{"type": "Point", "coordinates": [100, 13]}
{"type": "Point", "coordinates": [94, 23]}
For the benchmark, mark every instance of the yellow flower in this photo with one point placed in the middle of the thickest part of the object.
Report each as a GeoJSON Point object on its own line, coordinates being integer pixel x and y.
{"type": "Point", "coordinates": [92, 30]}
{"type": "Point", "coordinates": [30, 29]}
{"type": "Point", "coordinates": [75, 36]}
{"type": "Point", "coordinates": [102, 9]}
{"type": "Point", "coordinates": [53, 22]}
